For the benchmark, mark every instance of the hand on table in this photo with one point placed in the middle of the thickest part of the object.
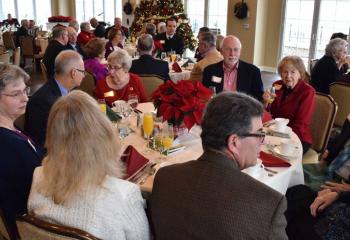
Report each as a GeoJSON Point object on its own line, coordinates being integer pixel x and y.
{"type": "Point", "coordinates": [323, 200]}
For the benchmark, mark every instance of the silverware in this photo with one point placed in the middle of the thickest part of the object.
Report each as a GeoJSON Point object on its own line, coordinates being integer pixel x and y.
{"type": "Point", "coordinates": [270, 170]}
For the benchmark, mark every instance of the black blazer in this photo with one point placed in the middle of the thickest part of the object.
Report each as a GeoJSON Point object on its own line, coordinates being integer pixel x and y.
{"type": "Point", "coordinates": [100, 31]}
{"type": "Point", "coordinates": [38, 109]}
{"type": "Point", "coordinates": [248, 78]}
{"type": "Point", "coordinates": [52, 50]}
{"type": "Point", "coordinates": [147, 65]}
{"type": "Point", "coordinates": [176, 43]}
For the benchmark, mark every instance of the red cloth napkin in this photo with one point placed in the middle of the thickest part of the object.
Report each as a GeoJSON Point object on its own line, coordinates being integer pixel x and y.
{"type": "Point", "coordinates": [133, 160]}
{"type": "Point", "coordinates": [266, 117]}
{"type": "Point", "coordinates": [270, 160]}
{"type": "Point", "coordinates": [176, 67]}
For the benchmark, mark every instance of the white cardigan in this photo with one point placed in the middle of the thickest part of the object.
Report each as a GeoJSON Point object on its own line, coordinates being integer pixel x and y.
{"type": "Point", "coordinates": [114, 211]}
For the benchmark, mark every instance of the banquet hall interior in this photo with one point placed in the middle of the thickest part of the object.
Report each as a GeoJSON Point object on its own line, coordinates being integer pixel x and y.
{"type": "Point", "coordinates": [114, 119]}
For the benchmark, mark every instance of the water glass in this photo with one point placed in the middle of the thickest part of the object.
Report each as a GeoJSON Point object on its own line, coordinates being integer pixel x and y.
{"type": "Point", "coordinates": [133, 101]}
{"type": "Point", "coordinates": [102, 104]}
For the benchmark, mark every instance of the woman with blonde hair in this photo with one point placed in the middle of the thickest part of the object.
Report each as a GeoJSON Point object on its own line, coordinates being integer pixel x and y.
{"type": "Point", "coordinates": [79, 183]}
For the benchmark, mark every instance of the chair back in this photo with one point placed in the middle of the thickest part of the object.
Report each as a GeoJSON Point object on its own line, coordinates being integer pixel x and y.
{"type": "Point", "coordinates": [43, 70]}
{"type": "Point", "coordinates": [5, 57]}
{"type": "Point", "coordinates": [341, 94]}
{"type": "Point", "coordinates": [31, 227]}
{"type": "Point", "coordinates": [312, 64]}
{"type": "Point", "coordinates": [322, 121]}
{"type": "Point", "coordinates": [88, 84]}
{"type": "Point", "coordinates": [5, 232]}
{"type": "Point", "coordinates": [7, 38]}
{"type": "Point", "coordinates": [151, 83]}
{"type": "Point", "coordinates": [19, 122]}
{"type": "Point", "coordinates": [17, 56]}
{"type": "Point", "coordinates": [26, 44]}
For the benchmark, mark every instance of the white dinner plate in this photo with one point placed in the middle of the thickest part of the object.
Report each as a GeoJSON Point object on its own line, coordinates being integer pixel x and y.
{"type": "Point", "coordinates": [288, 130]}
{"type": "Point", "coordinates": [278, 151]}
{"type": "Point", "coordinates": [259, 174]}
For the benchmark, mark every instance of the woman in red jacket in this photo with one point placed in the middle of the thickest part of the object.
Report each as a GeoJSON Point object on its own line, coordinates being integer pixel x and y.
{"type": "Point", "coordinates": [293, 99]}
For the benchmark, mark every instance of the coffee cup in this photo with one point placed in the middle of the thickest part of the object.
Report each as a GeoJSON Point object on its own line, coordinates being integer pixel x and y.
{"type": "Point", "coordinates": [287, 147]}
{"type": "Point", "coordinates": [255, 170]}
{"type": "Point", "coordinates": [281, 124]}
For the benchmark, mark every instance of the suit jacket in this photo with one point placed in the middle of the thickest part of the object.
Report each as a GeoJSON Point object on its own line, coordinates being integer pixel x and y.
{"type": "Point", "coordinates": [176, 43]}
{"type": "Point", "coordinates": [324, 73]}
{"type": "Point", "coordinates": [38, 109]}
{"type": "Point", "coordinates": [211, 57]}
{"type": "Point", "coordinates": [248, 78]}
{"type": "Point", "coordinates": [52, 50]}
{"type": "Point", "coordinates": [21, 32]}
{"type": "Point", "coordinates": [100, 31]}
{"type": "Point", "coordinates": [147, 65]}
{"type": "Point", "coordinates": [298, 107]}
{"type": "Point", "coordinates": [212, 199]}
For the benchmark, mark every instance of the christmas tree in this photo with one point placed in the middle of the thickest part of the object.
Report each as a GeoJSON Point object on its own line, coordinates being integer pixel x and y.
{"type": "Point", "coordinates": [156, 11]}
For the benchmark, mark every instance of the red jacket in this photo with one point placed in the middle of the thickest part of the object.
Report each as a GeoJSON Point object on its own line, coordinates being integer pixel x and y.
{"type": "Point", "coordinates": [298, 107]}
{"type": "Point", "coordinates": [84, 37]}
{"type": "Point", "coordinates": [134, 86]}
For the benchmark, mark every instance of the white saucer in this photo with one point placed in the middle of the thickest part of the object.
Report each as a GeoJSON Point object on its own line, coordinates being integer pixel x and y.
{"type": "Point", "coordinates": [278, 151]}
{"type": "Point", "coordinates": [287, 129]}
{"type": "Point", "coordinates": [259, 174]}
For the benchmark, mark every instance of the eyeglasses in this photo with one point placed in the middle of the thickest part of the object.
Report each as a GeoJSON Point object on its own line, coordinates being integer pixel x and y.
{"type": "Point", "coordinates": [115, 68]}
{"type": "Point", "coordinates": [81, 71]}
{"type": "Point", "coordinates": [260, 135]}
{"type": "Point", "coordinates": [18, 94]}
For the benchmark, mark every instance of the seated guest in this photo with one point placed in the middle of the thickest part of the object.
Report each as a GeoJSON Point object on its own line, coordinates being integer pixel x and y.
{"type": "Point", "coordinates": [69, 72]}
{"type": "Point", "coordinates": [32, 28]}
{"type": "Point", "coordinates": [95, 52]}
{"type": "Point", "coordinates": [328, 68]}
{"type": "Point", "coordinates": [90, 194]}
{"type": "Point", "coordinates": [208, 53]}
{"type": "Point", "coordinates": [119, 83]}
{"type": "Point", "coordinates": [99, 28]}
{"type": "Point", "coordinates": [56, 45]}
{"type": "Point", "coordinates": [118, 25]}
{"type": "Point", "coordinates": [294, 98]}
{"type": "Point", "coordinates": [219, 39]}
{"type": "Point", "coordinates": [339, 35]}
{"type": "Point", "coordinates": [233, 74]}
{"type": "Point", "coordinates": [116, 40]}
{"type": "Point", "coordinates": [72, 42]}
{"type": "Point", "coordinates": [74, 24]}
{"type": "Point", "coordinates": [218, 201]}
{"type": "Point", "coordinates": [10, 21]}
{"type": "Point", "coordinates": [146, 64]}
{"type": "Point", "coordinates": [19, 154]}
{"type": "Point", "coordinates": [85, 34]}
{"type": "Point", "coordinates": [172, 41]}
{"type": "Point", "coordinates": [161, 27]}
{"type": "Point", "coordinates": [197, 54]}
{"type": "Point", "coordinates": [150, 28]}
{"type": "Point", "coordinates": [22, 31]}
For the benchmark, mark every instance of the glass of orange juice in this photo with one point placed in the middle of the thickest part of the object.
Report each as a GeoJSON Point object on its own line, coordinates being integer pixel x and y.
{"type": "Point", "coordinates": [168, 137]}
{"type": "Point", "coordinates": [148, 125]}
{"type": "Point", "coordinates": [103, 105]}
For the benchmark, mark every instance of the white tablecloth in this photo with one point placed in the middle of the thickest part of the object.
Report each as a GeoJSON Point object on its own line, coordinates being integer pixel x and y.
{"type": "Point", "coordinates": [177, 76]}
{"type": "Point", "coordinates": [285, 177]}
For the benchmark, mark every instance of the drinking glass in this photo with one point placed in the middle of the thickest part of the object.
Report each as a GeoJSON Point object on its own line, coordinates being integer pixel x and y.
{"type": "Point", "coordinates": [163, 56]}
{"type": "Point", "coordinates": [133, 101]}
{"type": "Point", "coordinates": [272, 95]}
{"type": "Point", "coordinates": [213, 90]}
{"type": "Point", "coordinates": [168, 138]}
{"type": "Point", "coordinates": [103, 105]}
{"type": "Point", "coordinates": [148, 126]}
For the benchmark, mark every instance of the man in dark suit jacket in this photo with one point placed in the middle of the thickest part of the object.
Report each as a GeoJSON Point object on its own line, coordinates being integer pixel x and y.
{"type": "Point", "coordinates": [22, 31]}
{"type": "Point", "coordinates": [56, 45]}
{"type": "Point", "coordinates": [171, 41]}
{"type": "Point", "coordinates": [99, 28]}
{"type": "Point", "coordinates": [146, 64]}
{"type": "Point", "coordinates": [233, 74]}
{"type": "Point", "coordinates": [69, 72]}
{"type": "Point", "coordinates": [210, 198]}
{"type": "Point", "coordinates": [10, 21]}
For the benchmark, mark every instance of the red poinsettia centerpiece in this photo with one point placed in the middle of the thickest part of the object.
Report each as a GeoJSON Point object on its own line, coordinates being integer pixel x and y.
{"type": "Point", "coordinates": [181, 102]}
{"type": "Point", "coordinates": [59, 18]}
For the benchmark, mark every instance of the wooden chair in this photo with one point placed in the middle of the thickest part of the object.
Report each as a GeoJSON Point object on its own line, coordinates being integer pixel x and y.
{"type": "Point", "coordinates": [312, 64]}
{"type": "Point", "coordinates": [341, 94]}
{"type": "Point", "coordinates": [151, 83]}
{"type": "Point", "coordinates": [321, 125]}
{"type": "Point", "coordinates": [27, 47]}
{"type": "Point", "coordinates": [88, 83]}
{"type": "Point", "coordinates": [17, 56]}
{"type": "Point", "coordinates": [5, 57]}
{"type": "Point", "coordinates": [8, 40]}
{"type": "Point", "coordinates": [31, 227]}
{"type": "Point", "coordinates": [43, 70]}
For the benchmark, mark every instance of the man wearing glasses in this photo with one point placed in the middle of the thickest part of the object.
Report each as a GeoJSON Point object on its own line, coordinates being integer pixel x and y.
{"type": "Point", "coordinates": [210, 198]}
{"type": "Point", "coordinates": [69, 73]}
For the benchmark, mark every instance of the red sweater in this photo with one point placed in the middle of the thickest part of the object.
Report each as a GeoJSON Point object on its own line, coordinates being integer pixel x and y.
{"type": "Point", "coordinates": [298, 107]}
{"type": "Point", "coordinates": [84, 37]}
{"type": "Point", "coordinates": [134, 86]}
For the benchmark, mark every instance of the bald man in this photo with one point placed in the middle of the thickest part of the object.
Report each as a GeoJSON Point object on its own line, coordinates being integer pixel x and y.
{"type": "Point", "coordinates": [233, 74]}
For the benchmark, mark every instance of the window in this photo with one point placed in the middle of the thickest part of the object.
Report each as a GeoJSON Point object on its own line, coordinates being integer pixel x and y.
{"type": "Point", "coordinates": [39, 10]}
{"type": "Point", "coordinates": [103, 10]}
{"type": "Point", "coordinates": [218, 16]}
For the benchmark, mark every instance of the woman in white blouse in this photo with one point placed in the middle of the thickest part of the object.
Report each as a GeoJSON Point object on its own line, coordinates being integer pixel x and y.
{"type": "Point", "coordinates": [79, 182]}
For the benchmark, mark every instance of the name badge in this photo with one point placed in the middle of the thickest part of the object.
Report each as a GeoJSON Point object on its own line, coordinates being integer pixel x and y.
{"type": "Point", "coordinates": [162, 41]}
{"type": "Point", "coordinates": [109, 94]}
{"type": "Point", "coordinates": [216, 79]}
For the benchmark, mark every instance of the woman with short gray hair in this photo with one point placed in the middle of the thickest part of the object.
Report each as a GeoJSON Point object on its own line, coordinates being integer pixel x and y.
{"type": "Point", "coordinates": [119, 83]}
{"type": "Point", "coordinates": [331, 66]}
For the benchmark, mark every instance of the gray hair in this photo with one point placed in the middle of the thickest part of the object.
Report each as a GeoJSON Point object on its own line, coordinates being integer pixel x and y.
{"type": "Point", "coordinates": [209, 38]}
{"type": "Point", "coordinates": [150, 28]}
{"type": "Point", "coordinates": [161, 27]}
{"type": "Point", "coordinates": [11, 73]}
{"type": "Point", "coordinates": [58, 31]}
{"type": "Point", "coordinates": [66, 61]}
{"type": "Point", "coordinates": [84, 26]}
{"type": "Point", "coordinates": [145, 43]}
{"type": "Point", "coordinates": [120, 57]}
{"type": "Point", "coordinates": [335, 45]}
{"type": "Point", "coordinates": [228, 113]}
{"type": "Point", "coordinates": [24, 22]}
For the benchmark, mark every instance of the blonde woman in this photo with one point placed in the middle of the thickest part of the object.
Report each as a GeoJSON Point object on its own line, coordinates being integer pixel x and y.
{"type": "Point", "coordinates": [79, 183]}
